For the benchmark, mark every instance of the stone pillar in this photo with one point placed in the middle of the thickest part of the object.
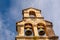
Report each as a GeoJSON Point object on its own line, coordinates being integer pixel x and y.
{"type": "Point", "coordinates": [35, 31]}
{"type": "Point", "coordinates": [21, 31]}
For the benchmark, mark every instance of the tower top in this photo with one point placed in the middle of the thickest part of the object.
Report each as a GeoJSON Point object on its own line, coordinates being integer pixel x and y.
{"type": "Point", "coordinates": [34, 27]}
{"type": "Point", "coordinates": [31, 13]}
{"type": "Point", "coordinates": [32, 8]}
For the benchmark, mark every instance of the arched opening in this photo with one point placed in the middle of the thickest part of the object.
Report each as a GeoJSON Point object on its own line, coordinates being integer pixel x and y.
{"type": "Point", "coordinates": [41, 29]}
{"type": "Point", "coordinates": [28, 29]}
{"type": "Point", "coordinates": [32, 14]}
{"type": "Point", "coordinates": [28, 25]}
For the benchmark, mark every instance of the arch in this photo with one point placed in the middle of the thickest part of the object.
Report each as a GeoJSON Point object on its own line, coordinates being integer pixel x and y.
{"type": "Point", "coordinates": [28, 29]}
{"type": "Point", "coordinates": [32, 14]}
{"type": "Point", "coordinates": [28, 25]}
{"type": "Point", "coordinates": [43, 27]}
{"type": "Point", "coordinates": [41, 24]}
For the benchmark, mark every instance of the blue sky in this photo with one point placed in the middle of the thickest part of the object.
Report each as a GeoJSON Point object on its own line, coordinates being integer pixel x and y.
{"type": "Point", "coordinates": [11, 12]}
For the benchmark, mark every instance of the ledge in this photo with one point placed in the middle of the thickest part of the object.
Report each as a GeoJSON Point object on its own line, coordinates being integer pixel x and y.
{"type": "Point", "coordinates": [30, 37]}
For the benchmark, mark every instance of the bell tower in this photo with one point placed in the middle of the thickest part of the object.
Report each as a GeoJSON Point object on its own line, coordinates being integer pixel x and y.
{"type": "Point", "coordinates": [34, 27]}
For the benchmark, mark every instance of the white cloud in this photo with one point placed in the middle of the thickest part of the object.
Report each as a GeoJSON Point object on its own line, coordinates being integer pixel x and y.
{"type": "Point", "coordinates": [10, 35]}
{"type": "Point", "coordinates": [5, 34]}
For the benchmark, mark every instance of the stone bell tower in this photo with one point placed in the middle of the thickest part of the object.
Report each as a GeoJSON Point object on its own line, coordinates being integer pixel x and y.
{"type": "Point", "coordinates": [34, 27]}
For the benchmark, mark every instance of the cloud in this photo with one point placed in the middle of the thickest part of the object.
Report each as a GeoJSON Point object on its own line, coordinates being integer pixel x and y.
{"type": "Point", "coordinates": [5, 34]}
{"type": "Point", "coordinates": [10, 35]}
{"type": "Point", "coordinates": [6, 21]}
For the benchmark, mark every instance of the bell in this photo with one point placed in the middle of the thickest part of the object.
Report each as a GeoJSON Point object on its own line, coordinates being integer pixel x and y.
{"type": "Point", "coordinates": [28, 32]}
{"type": "Point", "coordinates": [41, 32]}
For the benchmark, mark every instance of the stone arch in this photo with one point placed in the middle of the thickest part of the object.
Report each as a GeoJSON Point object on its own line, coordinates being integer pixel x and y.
{"type": "Point", "coordinates": [28, 24]}
{"type": "Point", "coordinates": [32, 14]}
{"type": "Point", "coordinates": [41, 28]}
{"type": "Point", "coordinates": [28, 29]}
{"type": "Point", "coordinates": [41, 24]}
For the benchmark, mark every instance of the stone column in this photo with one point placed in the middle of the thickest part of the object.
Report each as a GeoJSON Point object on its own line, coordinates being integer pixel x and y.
{"type": "Point", "coordinates": [35, 30]}
{"type": "Point", "coordinates": [20, 29]}
{"type": "Point", "coordinates": [21, 33]}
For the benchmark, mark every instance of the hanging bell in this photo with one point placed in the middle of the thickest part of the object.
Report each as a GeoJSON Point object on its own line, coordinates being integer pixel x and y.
{"type": "Point", "coordinates": [28, 32]}
{"type": "Point", "coordinates": [41, 32]}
